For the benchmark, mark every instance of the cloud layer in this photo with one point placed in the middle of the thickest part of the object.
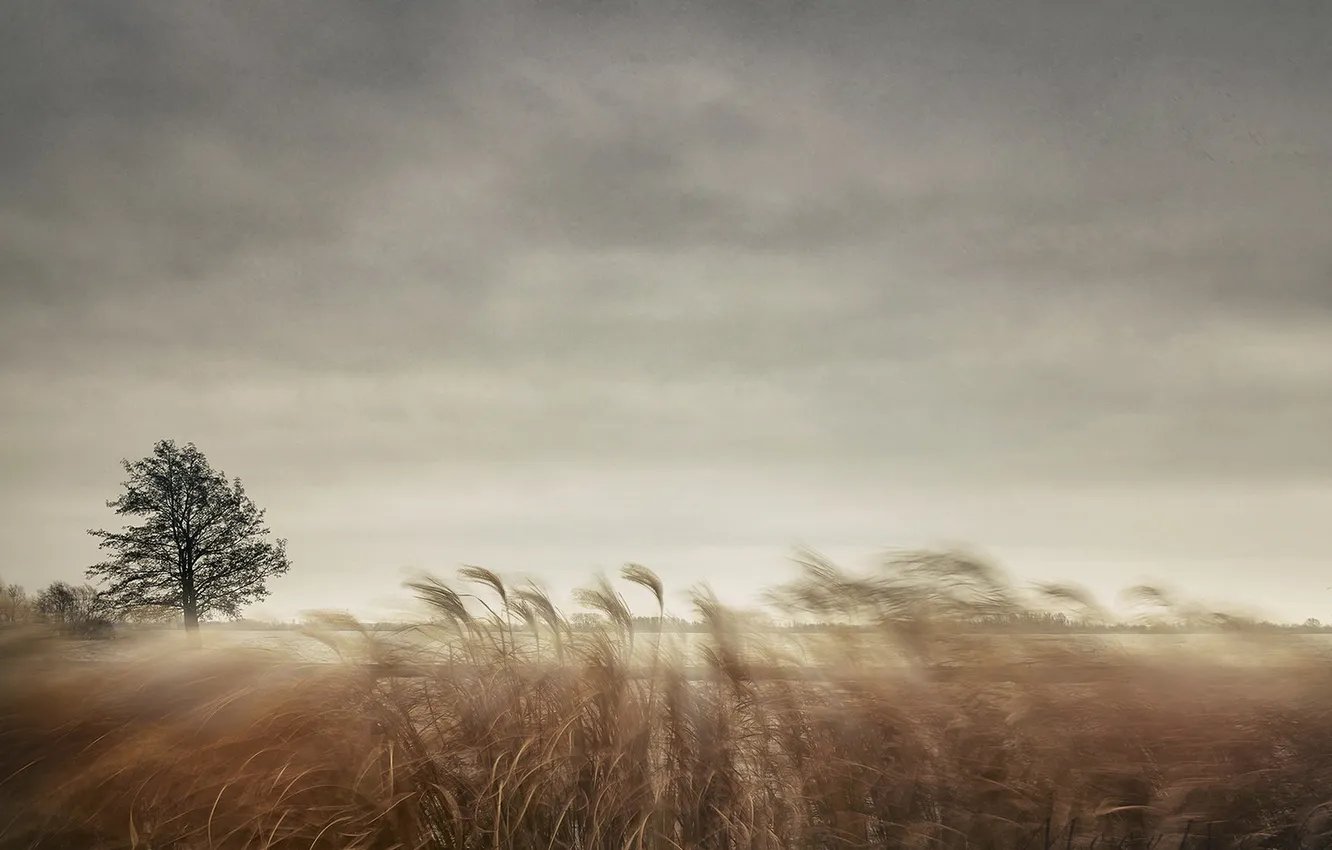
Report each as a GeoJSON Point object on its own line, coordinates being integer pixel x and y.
{"type": "Point", "coordinates": [390, 247]}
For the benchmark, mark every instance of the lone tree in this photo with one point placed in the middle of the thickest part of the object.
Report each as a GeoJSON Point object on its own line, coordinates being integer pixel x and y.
{"type": "Point", "coordinates": [203, 548]}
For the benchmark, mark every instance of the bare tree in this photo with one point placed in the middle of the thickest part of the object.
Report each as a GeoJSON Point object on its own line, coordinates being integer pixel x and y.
{"type": "Point", "coordinates": [78, 611]}
{"type": "Point", "coordinates": [14, 603]}
{"type": "Point", "coordinates": [203, 548]}
{"type": "Point", "coordinates": [56, 602]}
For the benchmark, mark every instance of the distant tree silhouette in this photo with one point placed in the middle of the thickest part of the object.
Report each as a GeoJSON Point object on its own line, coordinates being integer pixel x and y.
{"type": "Point", "coordinates": [13, 603]}
{"type": "Point", "coordinates": [56, 602]}
{"type": "Point", "coordinates": [80, 611]}
{"type": "Point", "coordinates": [203, 547]}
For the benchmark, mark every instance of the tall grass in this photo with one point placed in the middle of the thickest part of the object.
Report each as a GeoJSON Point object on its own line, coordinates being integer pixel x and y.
{"type": "Point", "coordinates": [497, 726]}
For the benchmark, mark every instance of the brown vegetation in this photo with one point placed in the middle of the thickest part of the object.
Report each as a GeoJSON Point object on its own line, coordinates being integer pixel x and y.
{"type": "Point", "coordinates": [525, 734]}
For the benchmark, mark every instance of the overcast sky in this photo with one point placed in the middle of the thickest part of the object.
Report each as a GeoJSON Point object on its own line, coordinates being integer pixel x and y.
{"type": "Point", "coordinates": [553, 286]}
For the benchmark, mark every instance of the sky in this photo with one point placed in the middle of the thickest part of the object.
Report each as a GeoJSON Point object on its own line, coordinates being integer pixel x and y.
{"type": "Point", "coordinates": [549, 287]}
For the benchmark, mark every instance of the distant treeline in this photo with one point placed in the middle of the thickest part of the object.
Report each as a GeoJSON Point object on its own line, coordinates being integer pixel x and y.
{"type": "Point", "coordinates": [84, 610]}
{"type": "Point", "coordinates": [1016, 623]}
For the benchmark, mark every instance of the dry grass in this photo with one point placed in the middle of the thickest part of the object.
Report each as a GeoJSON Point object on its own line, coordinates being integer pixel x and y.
{"type": "Point", "coordinates": [565, 742]}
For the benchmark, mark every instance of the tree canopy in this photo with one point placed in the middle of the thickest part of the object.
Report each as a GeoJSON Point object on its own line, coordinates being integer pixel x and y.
{"type": "Point", "coordinates": [203, 547]}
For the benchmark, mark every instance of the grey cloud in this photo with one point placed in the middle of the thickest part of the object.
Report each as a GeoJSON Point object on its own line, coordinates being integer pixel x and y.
{"type": "Point", "coordinates": [237, 130]}
{"type": "Point", "coordinates": [155, 141]}
{"type": "Point", "coordinates": [924, 239]}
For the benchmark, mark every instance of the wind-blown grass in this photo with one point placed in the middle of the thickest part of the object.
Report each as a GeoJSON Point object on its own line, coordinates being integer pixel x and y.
{"type": "Point", "coordinates": [523, 733]}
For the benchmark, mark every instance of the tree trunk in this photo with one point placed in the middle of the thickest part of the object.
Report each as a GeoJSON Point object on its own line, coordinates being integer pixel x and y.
{"type": "Point", "coordinates": [191, 612]}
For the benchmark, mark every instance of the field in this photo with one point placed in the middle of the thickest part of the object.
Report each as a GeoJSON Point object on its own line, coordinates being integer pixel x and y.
{"type": "Point", "coordinates": [501, 727]}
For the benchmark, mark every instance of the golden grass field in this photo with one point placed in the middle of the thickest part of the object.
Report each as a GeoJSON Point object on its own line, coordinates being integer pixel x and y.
{"type": "Point", "coordinates": [601, 740]}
